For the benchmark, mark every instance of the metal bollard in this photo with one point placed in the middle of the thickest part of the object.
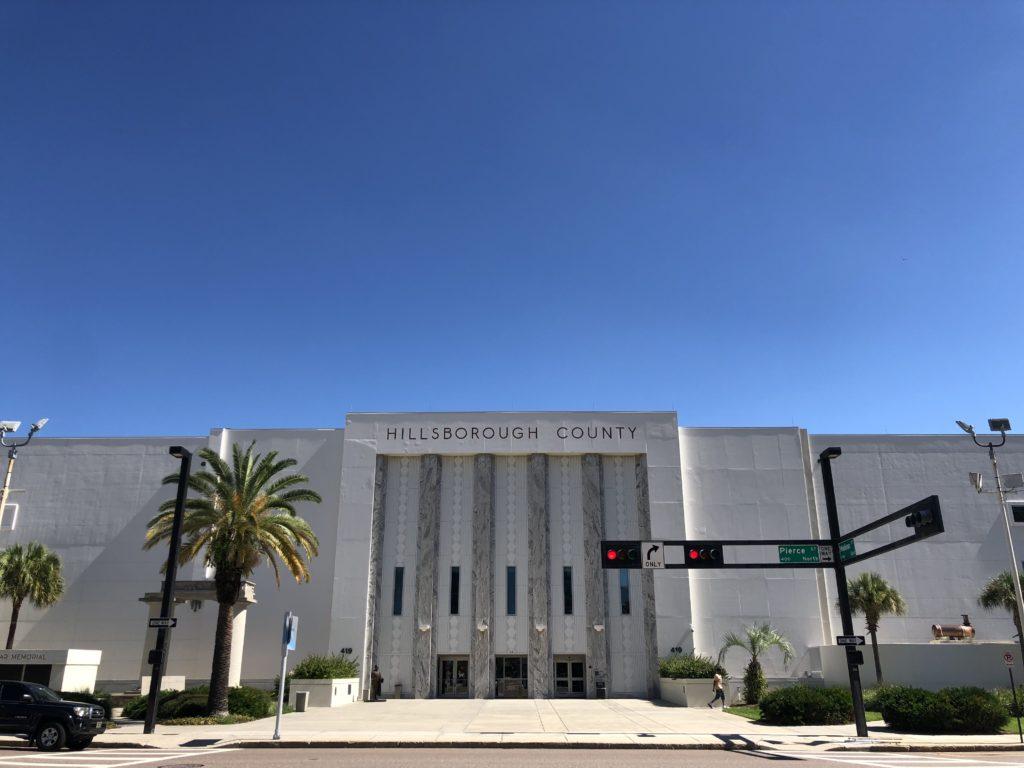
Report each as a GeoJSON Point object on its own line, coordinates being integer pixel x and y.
{"type": "Point", "coordinates": [301, 700]}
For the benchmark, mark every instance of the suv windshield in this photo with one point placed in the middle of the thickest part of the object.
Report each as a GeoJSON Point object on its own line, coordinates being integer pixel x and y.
{"type": "Point", "coordinates": [42, 693]}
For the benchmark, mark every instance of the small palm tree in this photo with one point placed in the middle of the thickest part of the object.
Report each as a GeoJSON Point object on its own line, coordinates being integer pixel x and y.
{"type": "Point", "coordinates": [756, 641]}
{"type": "Point", "coordinates": [997, 593]}
{"type": "Point", "coordinates": [244, 515]}
{"type": "Point", "coordinates": [29, 573]}
{"type": "Point", "coordinates": [873, 596]}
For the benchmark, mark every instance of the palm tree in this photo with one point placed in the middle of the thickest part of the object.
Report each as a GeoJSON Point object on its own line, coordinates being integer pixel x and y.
{"type": "Point", "coordinates": [29, 573]}
{"type": "Point", "coordinates": [998, 592]}
{"type": "Point", "coordinates": [873, 596]}
{"type": "Point", "coordinates": [758, 639]}
{"type": "Point", "coordinates": [244, 515]}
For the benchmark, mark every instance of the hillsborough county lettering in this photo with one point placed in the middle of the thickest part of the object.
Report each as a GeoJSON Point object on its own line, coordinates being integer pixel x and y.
{"type": "Point", "coordinates": [562, 432]}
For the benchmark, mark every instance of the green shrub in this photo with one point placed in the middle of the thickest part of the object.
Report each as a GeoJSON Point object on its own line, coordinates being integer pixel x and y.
{"type": "Point", "coordinates": [99, 699]}
{"type": "Point", "coordinates": [1005, 696]}
{"type": "Point", "coordinates": [914, 710]}
{"type": "Point", "coordinates": [975, 710]}
{"type": "Point", "coordinates": [875, 697]}
{"type": "Point", "coordinates": [325, 667]}
{"type": "Point", "coordinates": [224, 720]}
{"type": "Point", "coordinates": [801, 705]}
{"type": "Point", "coordinates": [250, 702]}
{"type": "Point", "coordinates": [691, 666]}
{"type": "Point", "coordinates": [965, 710]}
{"type": "Point", "coordinates": [754, 684]}
{"type": "Point", "coordinates": [136, 708]}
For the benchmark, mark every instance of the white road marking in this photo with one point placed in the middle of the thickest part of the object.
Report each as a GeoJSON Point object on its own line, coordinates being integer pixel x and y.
{"type": "Point", "coordinates": [103, 758]}
{"type": "Point", "coordinates": [887, 760]}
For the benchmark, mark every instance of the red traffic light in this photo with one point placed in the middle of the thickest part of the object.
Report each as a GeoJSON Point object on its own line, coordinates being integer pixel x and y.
{"type": "Point", "coordinates": [704, 554]}
{"type": "Point", "coordinates": [612, 554]}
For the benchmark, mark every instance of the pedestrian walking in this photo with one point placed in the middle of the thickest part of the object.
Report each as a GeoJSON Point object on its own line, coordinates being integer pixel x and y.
{"type": "Point", "coordinates": [376, 681]}
{"type": "Point", "coordinates": [719, 687]}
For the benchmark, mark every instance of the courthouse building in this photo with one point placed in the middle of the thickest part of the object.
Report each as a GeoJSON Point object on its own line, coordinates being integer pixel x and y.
{"type": "Point", "coordinates": [460, 552]}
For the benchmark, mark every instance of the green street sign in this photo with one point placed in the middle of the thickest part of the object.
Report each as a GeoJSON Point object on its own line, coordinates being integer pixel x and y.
{"type": "Point", "coordinates": [847, 549]}
{"type": "Point", "coordinates": [799, 553]}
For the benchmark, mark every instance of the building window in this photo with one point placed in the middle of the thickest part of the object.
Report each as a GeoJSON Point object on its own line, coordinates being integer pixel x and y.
{"type": "Point", "coordinates": [396, 602]}
{"type": "Point", "coordinates": [624, 592]}
{"type": "Point", "coordinates": [1017, 510]}
{"type": "Point", "coordinates": [453, 599]}
{"type": "Point", "coordinates": [567, 589]}
{"type": "Point", "coordinates": [510, 590]}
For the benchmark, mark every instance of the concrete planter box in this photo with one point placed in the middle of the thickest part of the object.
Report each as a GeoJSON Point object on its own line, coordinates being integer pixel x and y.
{"type": "Point", "coordinates": [689, 692]}
{"type": "Point", "coordinates": [326, 693]}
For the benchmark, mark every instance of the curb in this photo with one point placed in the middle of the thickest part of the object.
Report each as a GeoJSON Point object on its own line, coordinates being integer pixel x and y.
{"type": "Point", "coordinates": [737, 745]}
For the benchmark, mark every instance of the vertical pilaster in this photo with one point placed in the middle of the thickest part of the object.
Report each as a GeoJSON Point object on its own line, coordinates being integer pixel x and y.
{"type": "Point", "coordinates": [643, 515]}
{"type": "Point", "coordinates": [428, 528]}
{"type": "Point", "coordinates": [371, 637]}
{"type": "Point", "coordinates": [596, 598]}
{"type": "Point", "coordinates": [538, 578]}
{"type": "Point", "coordinates": [481, 663]}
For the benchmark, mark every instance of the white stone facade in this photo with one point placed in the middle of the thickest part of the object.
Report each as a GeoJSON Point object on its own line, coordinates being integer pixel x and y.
{"type": "Point", "coordinates": [90, 499]}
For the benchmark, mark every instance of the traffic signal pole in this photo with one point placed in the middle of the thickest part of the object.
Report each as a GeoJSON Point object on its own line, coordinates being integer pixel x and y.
{"type": "Point", "coordinates": [841, 588]}
{"type": "Point", "coordinates": [158, 655]}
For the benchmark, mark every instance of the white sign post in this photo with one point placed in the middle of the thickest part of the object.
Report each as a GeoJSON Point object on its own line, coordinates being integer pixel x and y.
{"type": "Point", "coordinates": [288, 641]}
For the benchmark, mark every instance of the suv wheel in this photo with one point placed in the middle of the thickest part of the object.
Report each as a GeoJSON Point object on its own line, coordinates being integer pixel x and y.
{"type": "Point", "coordinates": [51, 737]}
{"type": "Point", "coordinates": [76, 745]}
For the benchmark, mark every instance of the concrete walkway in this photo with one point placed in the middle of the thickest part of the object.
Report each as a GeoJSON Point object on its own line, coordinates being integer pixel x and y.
{"type": "Point", "coordinates": [526, 722]}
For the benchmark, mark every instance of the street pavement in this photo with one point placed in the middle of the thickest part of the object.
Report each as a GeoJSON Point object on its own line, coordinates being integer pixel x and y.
{"type": "Point", "coordinates": [530, 722]}
{"type": "Point", "coordinates": [491, 758]}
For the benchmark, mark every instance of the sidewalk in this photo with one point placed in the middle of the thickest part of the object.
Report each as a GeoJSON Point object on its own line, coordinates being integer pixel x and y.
{"type": "Point", "coordinates": [612, 723]}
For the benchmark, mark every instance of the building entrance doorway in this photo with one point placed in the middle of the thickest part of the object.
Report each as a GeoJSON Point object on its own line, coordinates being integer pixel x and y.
{"type": "Point", "coordinates": [570, 677]}
{"type": "Point", "coordinates": [453, 677]}
{"type": "Point", "coordinates": [510, 677]}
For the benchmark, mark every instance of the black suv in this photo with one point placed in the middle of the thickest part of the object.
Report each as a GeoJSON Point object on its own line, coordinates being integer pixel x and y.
{"type": "Point", "coordinates": [36, 713]}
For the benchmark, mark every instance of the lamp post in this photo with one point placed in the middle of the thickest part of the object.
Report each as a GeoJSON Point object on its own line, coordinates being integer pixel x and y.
{"type": "Point", "coordinates": [12, 453]}
{"type": "Point", "coordinates": [158, 655]}
{"type": "Point", "coordinates": [1002, 426]}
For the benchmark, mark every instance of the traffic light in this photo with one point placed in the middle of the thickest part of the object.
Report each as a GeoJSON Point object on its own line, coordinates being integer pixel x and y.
{"type": "Point", "coordinates": [620, 554]}
{"type": "Point", "coordinates": [703, 554]}
{"type": "Point", "coordinates": [925, 517]}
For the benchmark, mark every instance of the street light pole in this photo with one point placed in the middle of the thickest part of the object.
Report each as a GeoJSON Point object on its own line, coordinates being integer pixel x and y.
{"type": "Point", "coordinates": [842, 590]}
{"type": "Point", "coordinates": [1003, 426]}
{"type": "Point", "coordinates": [12, 454]}
{"type": "Point", "coordinates": [158, 655]}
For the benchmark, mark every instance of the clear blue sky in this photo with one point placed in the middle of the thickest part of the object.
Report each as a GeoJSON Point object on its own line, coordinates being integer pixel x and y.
{"type": "Point", "coordinates": [269, 214]}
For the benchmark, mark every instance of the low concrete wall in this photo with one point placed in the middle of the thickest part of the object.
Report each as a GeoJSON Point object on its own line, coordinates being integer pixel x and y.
{"type": "Point", "coordinates": [926, 665]}
{"type": "Point", "coordinates": [692, 692]}
{"type": "Point", "coordinates": [326, 693]}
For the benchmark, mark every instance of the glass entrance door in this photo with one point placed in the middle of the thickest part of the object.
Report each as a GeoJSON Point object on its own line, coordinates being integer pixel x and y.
{"type": "Point", "coordinates": [510, 681]}
{"type": "Point", "coordinates": [452, 677]}
{"type": "Point", "coordinates": [570, 676]}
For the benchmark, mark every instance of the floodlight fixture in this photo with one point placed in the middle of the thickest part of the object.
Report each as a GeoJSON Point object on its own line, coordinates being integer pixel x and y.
{"type": "Point", "coordinates": [999, 425]}
{"type": "Point", "coordinates": [965, 427]}
{"type": "Point", "coordinates": [832, 453]}
{"type": "Point", "coordinates": [10, 426]}
{"type": "Point", "coordinates": [977, 480]}
{"type": "Point", "coordinates": [39, 425]}
{"type": "Point", "coordinates": [179, 452]}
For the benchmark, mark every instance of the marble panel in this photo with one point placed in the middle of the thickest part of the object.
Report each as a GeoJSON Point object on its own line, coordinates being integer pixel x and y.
{"type": "Point", "coordinates": [650, 627]}
{"type": "Point", "coordinates": [538, 578]}
{"type": "Point", "coordinates": [481, 663]}
{"type": "Point", "coordinates": [596, 597]}
{"type": "Point", "coordinates": [371, 635]}
{"type": "Point", "coordinates": [424, 662]}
